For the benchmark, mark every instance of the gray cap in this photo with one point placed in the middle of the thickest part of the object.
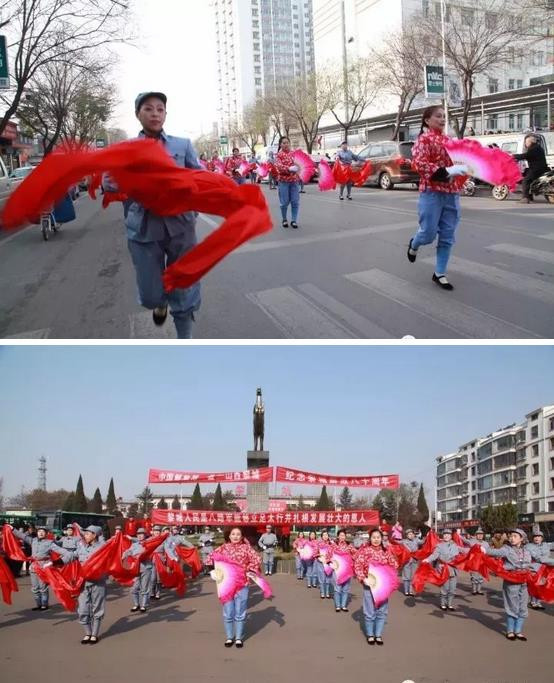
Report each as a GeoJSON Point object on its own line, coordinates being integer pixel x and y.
{"type": "Point", "coordinates": [69, 526]}
{"type": "Point", "coordinates": [479, 531]}
{"type": "Point", "coordinates": [521, 533]}
{"type": "Point", "coordinates": [141, 531]}
{"type": "Point", "coordinates": [156, 527]}
{"type": "Point", "coordinates": [446, 531]}
{"type": "Point", "coordinates": [538, 533]}
{"type": "Point", "coordinates": [141, 97]}
{"type": "Point", "coordinates": [42, 526]}
{"type": "Point", "coordinates": [409, 531]}
{"type": "Point", "coordinates": [93, 529]}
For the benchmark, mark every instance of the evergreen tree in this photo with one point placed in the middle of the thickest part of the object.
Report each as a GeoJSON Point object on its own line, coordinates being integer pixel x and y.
{"type": "Point", "coordinates": [386, 503]}
{"type": "Point", "coordinates": [69, 504]}
{"type": "Point", "coordinates": [145, 499]}
{"type": "Point", "coordinates": [196, 502]}
{"type": "Point", "coordinates": [323, 502]}
{"type": "Point", "coordinates": [162, 505]}
{"type": "Point", "coordinates": [111, 500]}
{"type": "Point", "coordinates": [96, 504]}
{"type": "Point", "coordinates": [80, 502]}
{"type": "Point", "coordinates": [133, 510]}
{"type": "Point", "coordinates": [219, 502]}
{"type": "Point", "coordinates": [499, 517]}
{"type": "Point", "coordinates": [345, 499]}
{"type": "Point", "coordinates": [422, 507]}
{"type": "Point", "coordinates": [175, 503]}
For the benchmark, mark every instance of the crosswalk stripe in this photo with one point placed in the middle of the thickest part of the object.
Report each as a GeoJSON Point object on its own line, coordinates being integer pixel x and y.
{"type": "Point", "coordinates": [525, 252]}
{"type": "Point", "coordinates": [142, 327]}
{"type": "Point", "coordinates": [296, 316]}
{"type": "Point", "coordinates": [34, 334]}
{"type": "Point", "coordinates": [355, 321]}
{"type": "Point", "coordinates": [521, 284]}
{"type": "Point", "coordinates": [550, 236]}
{"type": "Point", "coordinates": [440, 307]}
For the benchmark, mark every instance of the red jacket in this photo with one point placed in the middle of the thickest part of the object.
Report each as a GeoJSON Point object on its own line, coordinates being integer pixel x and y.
{"type": "Point", "coordinates": [367, 555]}
{"type": "Point", "coordinates": [283, 161]}
{"type": "Point", "coordinates": [232, 164]}
{"type": "Point", "coordinates": [428, 157]}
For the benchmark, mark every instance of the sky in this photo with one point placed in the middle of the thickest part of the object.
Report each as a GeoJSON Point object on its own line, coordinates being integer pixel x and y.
{"type": "Point", "coordinates": [104, 411]}
{"type": "Point", "coordinates": [174, 53]}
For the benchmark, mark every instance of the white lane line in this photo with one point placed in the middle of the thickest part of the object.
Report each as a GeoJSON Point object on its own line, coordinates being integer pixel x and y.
{"type": "Point", "coordinates": [35, 334]}
{"type": "Point", "coordinates": [524, 252]}
{"type": "Point", "coordinates": [440, 307]}
{"type": "Point", "coordinates": [142, 327]}
{"type": "Point", "coordinates": [355, 321]}
{"type": "Point", "coordinates": [520, 284]}
{"type": "Point", "coordinates": [296, 316]}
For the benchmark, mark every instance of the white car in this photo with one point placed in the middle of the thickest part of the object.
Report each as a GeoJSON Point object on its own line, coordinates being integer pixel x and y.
{"type": "Point", "coordinates": [19, 174]}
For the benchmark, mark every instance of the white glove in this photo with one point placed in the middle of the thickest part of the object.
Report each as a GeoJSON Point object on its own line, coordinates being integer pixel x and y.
{"type": "Point", "coordinates": [293, 169]}
{"type": "Point", "coordinates": [251, 575]}
{"type": "Point", "coordinates": [213, 575]}
{"type": "Point", "coordinates": [457, 169]}
{"type": "Point", "coordinates": [47, 564]}
{"type": "Point", "coordinates": [367, 582]}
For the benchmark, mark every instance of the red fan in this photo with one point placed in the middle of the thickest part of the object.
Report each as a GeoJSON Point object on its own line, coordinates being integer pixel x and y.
{"type": "Point", "coordinates": [490, 164]}
{"type": "Point", "coordinates": [305, 163]}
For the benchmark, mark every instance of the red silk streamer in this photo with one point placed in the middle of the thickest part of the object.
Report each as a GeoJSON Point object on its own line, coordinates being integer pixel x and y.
{"type": "Point", "coordinates": [191, 557]}
{"type": "Point", "coordinates": [341, 173]}
{"type": "Point", "coordinates": [430, 543]}
{"type": "Point", "coordinates": [8, 584]}
{"type": "Point", "coordinates": [65, 582]}
{"type": "Point", "coordinates": [144, 171]}
{"type": "Point", "coordinates": [458, 540]}
{"type": "Point", "coordinates": [171, 574]}
{"type": "Point", "coordinates": [358, 176]}
{"type": "Point", "coordinates": [425, 573]}
{"type": "Point", "coordinates": [402, 554]}
{"type": "Point", "coordinates": [11, 545]}
{"type": "Point", "coordinates": [131, 526]}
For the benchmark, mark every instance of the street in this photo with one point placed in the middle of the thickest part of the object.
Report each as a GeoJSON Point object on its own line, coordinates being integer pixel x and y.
{"type": "Point", "coordinates": [344, 274]}
{"type": "Point", "coordinates": [295, 635]}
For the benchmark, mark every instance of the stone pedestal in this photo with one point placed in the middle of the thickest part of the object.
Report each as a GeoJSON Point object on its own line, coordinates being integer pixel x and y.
{"type": "Point", "coordinates": [257, 494]}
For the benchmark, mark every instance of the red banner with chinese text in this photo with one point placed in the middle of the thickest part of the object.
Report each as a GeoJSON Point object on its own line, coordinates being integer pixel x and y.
{"type": "Point", "coordinates": [261, 474]}
{"type": "Point", "coordinates": [292, 476]}
{"type": "Point", "coordinates": [361, 518]}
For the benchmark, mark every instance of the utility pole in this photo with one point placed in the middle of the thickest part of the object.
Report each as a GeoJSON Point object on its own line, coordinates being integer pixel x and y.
{"type": "Point", "coordinates": [445, 87]}
{"type": "Point", "coordinates": [344, 61]}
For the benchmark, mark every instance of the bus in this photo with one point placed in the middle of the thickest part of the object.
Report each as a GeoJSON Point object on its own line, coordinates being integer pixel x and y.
{"type": "Point", "coordinates": [57, 520]}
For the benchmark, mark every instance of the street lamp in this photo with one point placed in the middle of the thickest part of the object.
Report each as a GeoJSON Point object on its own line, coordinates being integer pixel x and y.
{"type": "Point", "coordinates": [444, 83]}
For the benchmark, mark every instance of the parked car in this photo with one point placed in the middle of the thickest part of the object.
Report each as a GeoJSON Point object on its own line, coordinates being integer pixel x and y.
{"type": "Point", "coordinates": [4, 183]}
{"type": "Point", "coordinates": [19, 174]}
{"type": "Point", "coordinates": [392, 163]}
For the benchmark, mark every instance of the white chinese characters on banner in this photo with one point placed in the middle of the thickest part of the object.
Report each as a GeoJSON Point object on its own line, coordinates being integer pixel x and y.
{"type": "Point", "coordinates": [292, 476]}
{"type": "Point", "coordinates": [362, 518]}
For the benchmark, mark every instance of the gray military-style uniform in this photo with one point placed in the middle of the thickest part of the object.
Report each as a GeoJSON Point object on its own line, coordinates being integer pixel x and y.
{"type": "Point", "coordinates": [516, 595]}
{"type": "Point", "coordinates": [174, 540]}
{"type": "Point", "coordinates": [268, 543]}
{"type": "Point", "coordinates": [540, 553]}
{"type": "Point", "coordinates": [68, 542]}
{"type": "Point", "coordinates": [206, 543]}
{"type": "Point", "coordinates": [477, 579]}
{"type": "Point", "coordinates": [409, 568]}
{"type": "Point", "coordinates": [156, 585]}
{"type": "Point", "coordinates": [92, 598]}
{"type": "Point", "coordinates": [445, 552]}
{"type": "Point", "coordinates": [142, 584]}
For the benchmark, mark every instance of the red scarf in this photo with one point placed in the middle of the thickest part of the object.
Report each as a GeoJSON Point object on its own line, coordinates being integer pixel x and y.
{"type": "Point", "coordinates": [11, 545]}
{"type": "Point", "coordinates": [8, 584]}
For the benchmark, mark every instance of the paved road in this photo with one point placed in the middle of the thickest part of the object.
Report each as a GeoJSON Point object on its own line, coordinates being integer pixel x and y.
{"type": "Point", "coordinates": [296, 636]}
{"type": "Point", "coordinates": [343, 274]}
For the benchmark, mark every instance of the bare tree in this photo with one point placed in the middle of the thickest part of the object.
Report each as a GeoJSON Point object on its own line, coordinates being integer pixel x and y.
{"type": "Point", "coordinates": [45, 31]}
{"type": "Point", "coordinates": [279, 120]}
{"type": "Point", "coordinates": [304, 101]}
{"type": "Point", "coordinates": [89, 112]}
{"type": "Point", "coordinates": [253, 126]}
{"type": "Point", "coordinates": [349, 93]}
{"type": "Point", "coordinates": [1, 493]}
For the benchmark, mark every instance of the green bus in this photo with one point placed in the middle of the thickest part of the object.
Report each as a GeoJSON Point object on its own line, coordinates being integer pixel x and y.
{"type": "Point", "coordinates": [57, 520]}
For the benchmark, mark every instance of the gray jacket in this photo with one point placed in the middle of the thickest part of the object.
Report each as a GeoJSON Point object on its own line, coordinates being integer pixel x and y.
{"type": "Point", "coordinates": [42, 547]}
{"type": "Point", "coordinates": [514, 558]}
{"type": "Point", "coordinates": [540, 552]}
{"type": "Point", "coordinates": [446, 552]}
{"type": "Point", "coordinates": [268, 541]}
{"type": "Point", "coordinates": [174, 540]}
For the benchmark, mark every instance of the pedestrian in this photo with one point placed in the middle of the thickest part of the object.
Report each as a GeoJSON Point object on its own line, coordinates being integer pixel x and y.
{"type": "Point", "coordinates": [309, 567]}
{"type": "Point", "coordinates": [268, 543]}
{"type": "Point", "coordinates": [536, 159]}
{"type": "Point", "coordinates": [41, 549]}
{"type": "Point", "coordinates": [159, 551]}
{"type": "Point", "coordinates": [156, 242]}
{"type": "Point", "coordinates": [341, 590]}
{"type": "Point", "coordinates": [289, 188]}
{"type": "Point", "coordinates": [232, 166]}
{"type": "Point", "coordinates": [325, 580]}
{"type": "Point", "coordinates": [375, 617]}
{"type": "Point", "coordinates": [540, 553]}
{"type": "Point", "coordinates": [142, 584]}
{"type": "Point", "coordinates": [237, 549]}
{"type": "Point", "coordinates": [412, 544]}
{"type": "Point", "coordinates": [445, 552]}
{"type": "Point", "coordinates": [440, 185]}
{"type": "Point", "coordinates": [253, 161]}
{"type": "Point", "coordinates": [396, 532]}
{"type": "Point", "coordinates": [516, 595]}
{"type": "Point", "coordinates": [206, 544]}
{"type": "Point", "coordinates": [299, 542]}
{"type": "Point", "coordinates": [346, 156]}
{"type": "Point", "coordinates": [271, 162]}
{"type": "Point", "coordinates": [91, 605]}
{"type": "Point", "coordinates": [285, 538]}
{"type": "Point", "coordinates": [212, 163]}
{"type": "Point", "coordinates": [477, 579]}
{"type": "Point", "coordinates": [358, 541]}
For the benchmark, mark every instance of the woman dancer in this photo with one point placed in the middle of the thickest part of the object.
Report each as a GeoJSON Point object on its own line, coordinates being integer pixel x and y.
{"type": "Point", "coordinates": [309, 566]}
{"type": "Point", "coordinates": [325, 580]}
{"type": "Point", "coordinates": [342, 590]}
{"type": "Point", "coordinates": [289, 183]}
{"type": "Point", "coordinates": [445, 552]}
{"type": "Point", "coordinates": [439, 187]}
{"type": "Point", "coordinates": [237, 549]}
{"type": "Point", "coordinates": [412, 544]}
{"type": "Point", "coordinates": [374, 552]}
{"type": "Point", "coordinates": [299, 542]}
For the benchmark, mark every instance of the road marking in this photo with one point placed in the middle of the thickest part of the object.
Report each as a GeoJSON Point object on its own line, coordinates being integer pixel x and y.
{"type": "Point", "coordinates": [521, 284]}
{"type": "Point", "coordinates": [355, 321]}
{"type": "Point", "coordinates": [6, 240]}
{"type": "Point", "coordinates": [296, 316]}
{"type": "Point", "coordinates": [524, 252]}
{"type": "Point", "coordinates": [142, 327]}
{"type": "Point", "coordinates": [550, 236]}
{"type": "Point", "coordinates": [35, 334]}
{"type": "Point", "coordinates": [440, 307]}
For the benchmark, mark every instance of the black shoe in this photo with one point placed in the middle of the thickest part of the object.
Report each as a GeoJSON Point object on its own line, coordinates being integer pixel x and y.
{"type": "Point", "coordinates": [443, 608]}
{"type": "Point", "coordinates": [239, 643]}
{"type": "Point", "coordinates": [36, 609]}
{"type": "Point", "coordinates": [302, 191]}
{"type": "Point", "coordinates": [229, 642]}
{"type": "Point", "coordinates": [349, 198]}
{"type": "Point", "coordinates": [294, 224]}
{"type": "Point", "coordinates": [511, 636]}
{"type": "Point", "coordinates": [344, 609]}
{"type": "Point", "coordinates": [143, 609]}
{"type": "Point", "coordinates": [93, 640]}
{"type": "Point", "coordinates": [135, 608]}
{"type": "Point", "coordinates": [329, 597]}
{"type": "Point", "coordinates": [85, 640]}
{"type": "Point", "coordinates": [480, 593]}
{"type": "Point", "coordinates": [341, 198]}
{"type": "Point", "coordinates": [43, 608]}
{"type": "Point", "coordinates": [337, 609]}
{"type": "Point", "coordinates": [540, 607]}
{"type": "Point", "coordinates": [379, 641]}
{"type": "Point", "coordinates": [411, 257]}
{"type": "Point", "coordinates": [371, 640]}
{"type": "Point", "coordinates": [442, 281]}
{"type": "Point", "coordinates": [520, 636]}
{"type": "Point", "coordinates": [159, 315]}
{"type": "Point", "coordinates": [452, 609]}
{"type": "Point", "coordinates": [285, 224]}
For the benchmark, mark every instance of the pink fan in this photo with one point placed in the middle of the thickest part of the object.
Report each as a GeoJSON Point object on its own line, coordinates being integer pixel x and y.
{"type": "Point", "coordinates": [306, 165]}
{"type": "Point", "coordinates": [219, 167]}
{"type": "Point", "coordinates": [229, 577]}
{"type": "Point", "coordinates": [328, 569]}
{"type": "Point", "coordinates": [263, 169]}
{"type": "Point", "coordinates": [383, 581]}
{"type": "Point", "coordinates": [204, 164]}
{"type": "Point", "coordinates": [326, 180]}
{"type": "Point", "coordinates": [486, 163]}
{"type": "Point", "coordinates": [307, 552]}
{"type": "Point", "coordinates": [245, 168]}
{"type": "Point", "coordinates": [262, 582]}
{"type": "Point", "coordinates": [343, 566]}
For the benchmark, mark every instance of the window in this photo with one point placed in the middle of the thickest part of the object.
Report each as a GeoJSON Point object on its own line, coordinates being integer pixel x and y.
{"type": "Point", "coordinates": [520, 85]}
{"type": "Point", "coordinates": [535, 506]}
{"type": "Point", "coordinates": [534, 417]}
{"type": "Point", "coordinates": [550, 507]}
{"type": "Point", "coordinates": [521, 472]}
{"type": "Point", "coordinates": [425, 8]}
{"type": "Point", "coordinates": [551, 425]}
{"type": "Point", "coordinates": [258, 81]}
{"type": "Point", "coordinates": [551, 444]}
{"type": "Point", "coordinates": [552, 463]}
{"type": "Point", "coordinates": [511, 85]}
{"type": "Point", "coordinates": [535, 469]}
{"type": "Point", "coordinates": [519, 116]}
{"type": "Point", "coordinates": [536, 488]}
{"type": "Point", "coordinates": [511, 121]}
{"type": "Point", "coordinates": [492, 122]}
{"type": "Point", "coordinates": [552, 483]}
{"type": "Point", "coordinates": [535, 432]}
{"type": "Point", "coordinates": [504, 442]}
{"type": "Point", "coordinates": [255, 35]}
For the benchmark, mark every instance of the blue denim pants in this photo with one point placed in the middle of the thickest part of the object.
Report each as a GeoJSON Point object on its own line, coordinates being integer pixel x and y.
{"type": "Point", "coordinates": [439, 215]}
{"type": "Point", "coordinates": [342, 591]}
{"type": "Point", "coordinates": [234, 614]}
{"type": "Point", "coordinates": [375, 618]}
{"type": "Point", "coordinates": [289, 193]}
{"type": "Point", "coordinates": [325, 581]}
{"type": "Point", "coordinates": [299, 567]}
{"type": "Point", "coordinates": [310, 572]}
{"type": "Point", "coordinates": [348, 186]}
{"type": "Point", "coordinates": [514, 624]}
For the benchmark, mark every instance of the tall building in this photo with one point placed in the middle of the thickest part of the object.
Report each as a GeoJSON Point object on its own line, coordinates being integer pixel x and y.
{"type": "Point", "coordinates": [514, 464]}
{"type": "Point", "coordinates": [261, 44]}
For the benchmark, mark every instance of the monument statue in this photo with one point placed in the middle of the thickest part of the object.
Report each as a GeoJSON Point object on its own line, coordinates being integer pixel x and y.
{"type": "Point", "coordinates": [259, 411]}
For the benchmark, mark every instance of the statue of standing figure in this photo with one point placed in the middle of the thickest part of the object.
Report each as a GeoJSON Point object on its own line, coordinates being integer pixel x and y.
{"type": "Point", "coordinates": [259, 411]}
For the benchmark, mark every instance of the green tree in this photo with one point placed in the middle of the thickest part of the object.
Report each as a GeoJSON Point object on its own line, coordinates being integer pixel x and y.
{"type": "Point", "coordinates": [69, 504]}
{"type": "Point", "coordinates": [323, 502]}
{"type": "Point", "coordinates": [81, 504]}
{"type": "Point", "coordinates": [386, 503]}
{"type": "Point", "coordinates": [162, 505]}
{"type": "Point", "coordinates": [96, 504]}
{"type": "Point", "coordinates": [111, 500]}
{"type": "Point", "coordinates": [196, 502]}
{"type": "Point", "coordinates": [175, 503]}
{"type": "Point", "coordinates": [422, 506]}
{"type": "Point", "coordinates": [499, 517]}
{"type": "Point", "coordinates": [146, 498]}
{"type": "Point", "coordinates": [345, 499]}
{"type": "Point", "coordinates": [133, 510]}
{"type": "Point", "coordinates": [219, 501]}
